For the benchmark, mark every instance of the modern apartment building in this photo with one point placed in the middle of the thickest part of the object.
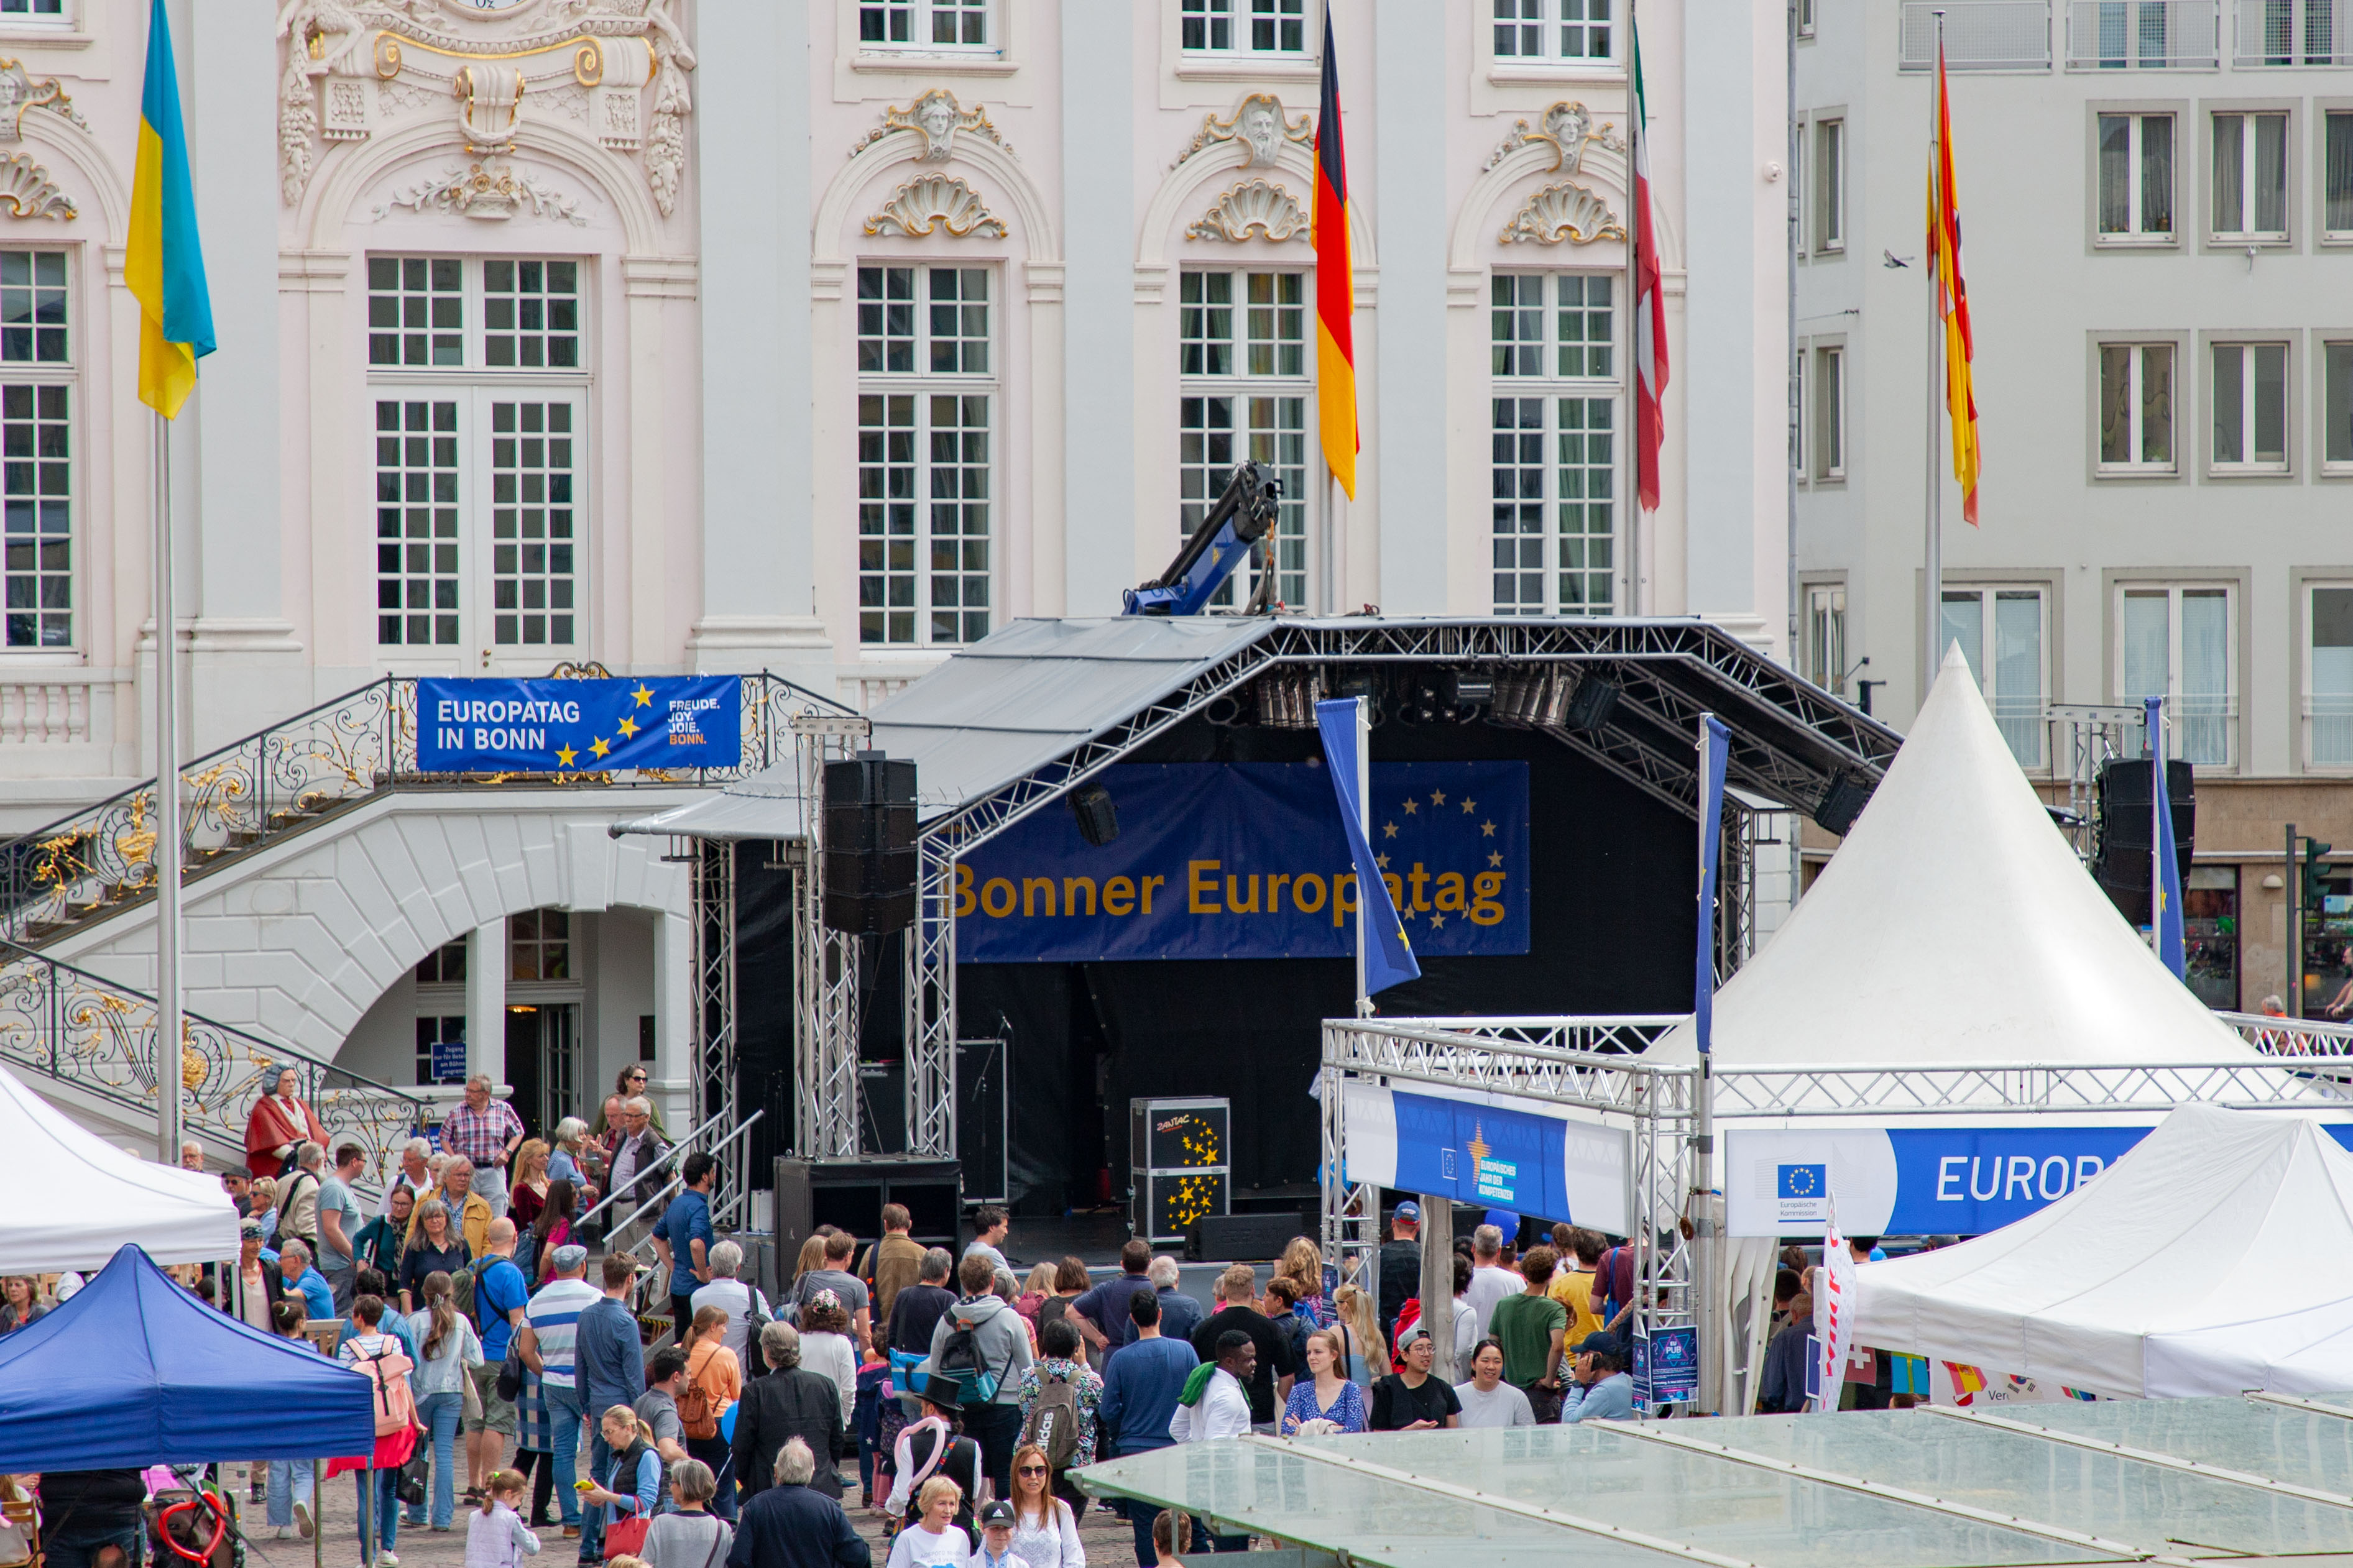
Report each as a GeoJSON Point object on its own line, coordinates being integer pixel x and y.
{"type": "Point", "coordinates": [2156, 203]}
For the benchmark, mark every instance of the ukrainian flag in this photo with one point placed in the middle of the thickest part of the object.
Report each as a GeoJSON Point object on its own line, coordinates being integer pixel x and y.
{"type": "Point", "coordinates": [165, 268]}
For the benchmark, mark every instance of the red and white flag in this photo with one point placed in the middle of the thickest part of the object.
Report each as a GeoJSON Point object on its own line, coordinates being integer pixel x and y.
{"type": "Point", "coordinates": [1650, 312]}
{"type": "Point", "coordinates": [1834, 1313]}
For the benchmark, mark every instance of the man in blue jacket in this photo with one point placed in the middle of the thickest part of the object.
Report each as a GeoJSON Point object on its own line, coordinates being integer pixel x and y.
{"type": "Point", "coordinates": [1140, 1388]}
{"type": "Point", "coordinates": [609, 1368]}
{"type": "Point", "coordinates": [1602, 1389]}
{"type": "Point", "coordinates": [792, 1525]}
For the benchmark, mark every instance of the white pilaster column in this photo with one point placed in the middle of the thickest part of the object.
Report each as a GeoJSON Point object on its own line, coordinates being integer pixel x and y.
{"type": "Point", "coordinates": [1410, 65]}
{"type": "Point", "coordinates": [1099, 308]}
{"type": "Point", "coordinates": [247, 665]}
{"type": "Point", "coordinates": [672, 1079]}
{"type": "Point", "coordinates": [485, 1001]}
{"type": "Point", "coordinates": [758, 560]}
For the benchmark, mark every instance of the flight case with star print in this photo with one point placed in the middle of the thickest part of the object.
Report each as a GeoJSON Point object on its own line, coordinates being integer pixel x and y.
{"type": "Point", "coordinates": [1176, 1152]}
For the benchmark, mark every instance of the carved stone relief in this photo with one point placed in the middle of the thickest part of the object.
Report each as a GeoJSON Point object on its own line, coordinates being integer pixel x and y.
{"type": "Point", "coordinates": [614, 69]}
{"type": "Point", "coordinates": [490, 191]}
{"type": "Point", "coordinates": [1259, 123]}
{"type": "Point", "coordinates": [1568, 127]}
{"type": "Point", "coordinates": [937, 117]}
{"type": "Point", "coordinates": [941, 199]}
{"type": "Point", "coordinates": [1563, 211]}
{"type": "Point", "coordinates": [19, 92]}
{"type": "Point", "coordinates": [27, 190]}
{"type": "Point", "coordinates": [1254, 206]}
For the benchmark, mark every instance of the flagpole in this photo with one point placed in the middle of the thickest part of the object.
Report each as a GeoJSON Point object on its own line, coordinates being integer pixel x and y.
{"type": "Point", "coordinates": [1933, 619]}
{"type": "Point", "coordinates": [1364, 766]}
{"type": "Point", "coordinates": [166, 856]}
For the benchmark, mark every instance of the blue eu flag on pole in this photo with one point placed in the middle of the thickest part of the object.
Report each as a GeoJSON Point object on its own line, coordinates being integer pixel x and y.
{"type": "Point", "coordinates": [2166, 917]}
{"type": "Point", "coordinates": [1388, 958]}
{"type": "Point", "coordinates": [1714, 741]}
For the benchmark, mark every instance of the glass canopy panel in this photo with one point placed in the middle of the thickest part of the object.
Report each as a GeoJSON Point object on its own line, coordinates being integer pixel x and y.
{"type": "Point", "coordinates": [2278, 1442]}
{"type": "Point", "coordinates": [2015, 1474]}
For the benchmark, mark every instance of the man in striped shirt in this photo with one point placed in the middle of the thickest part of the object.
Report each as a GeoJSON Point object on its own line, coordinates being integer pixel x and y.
{"type": "Point", "coordinates": [550, 1322]}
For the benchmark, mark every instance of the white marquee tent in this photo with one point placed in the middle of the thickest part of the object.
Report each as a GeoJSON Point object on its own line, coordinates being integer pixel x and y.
{"type": "Point", "coordinates": [74, 1199]}
{"type": "Point", "coordinates": [2214, 1257]}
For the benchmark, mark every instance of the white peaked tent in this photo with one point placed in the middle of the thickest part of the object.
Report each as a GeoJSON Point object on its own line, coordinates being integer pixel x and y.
{"type": "Point", "coordinates": [1955, 926]}
{"type": "Point", "coordinates": [2216, 1256]}
{"type": "Point", "coordinates": [74, 1198]}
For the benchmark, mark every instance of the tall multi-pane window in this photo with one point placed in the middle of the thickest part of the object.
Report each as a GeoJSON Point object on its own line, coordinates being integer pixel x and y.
{"type": "Point", "coordinates": [2175, 643]}
{"type": "Point", "coordinates": [926, 415]}
{"type": "Point", "coordinates": [2251, 176]}
{"type": "Point", "coordinates": [1244, 26]}
{"type": "Point", "coordinates": [2337, 176]}
{"type": "Point", "coordinates": [2136, 179]}
{"type": "Point", "coordinates": [1830, 185]}
{"type": "Point", "coordinates": [1999, 631]}
{"type": "Point", "coordinates": [2337, 407]}
{"type": "Point", "coordinates": [1554, 426]}
{"type": "Point", "coordinates": [960, 25]}
{"type": "Point", "coordinates": [1246, 392]}
{"type": "Point", "coordinates": [2136, 408]}
{"type": "Point", "coordinates": [37, 477]}
{"type": "Point", "coordinates": [2329, 678]}
{"type": "Point", "coordinates": [1565, 30]}
{"type": "Point", "coordinates": [480, 473]}
{"type": "Point", "coordinates": [1828, 437]}
{"type": "Point", "coordinates": [2250, 403]}
{"type": "Point", "coordinates": [1825, 630]}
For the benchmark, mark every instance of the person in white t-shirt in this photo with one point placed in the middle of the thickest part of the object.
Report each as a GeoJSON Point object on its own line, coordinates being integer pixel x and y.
{"type": "Point", "coordinates": [1487, 1399]}
{"type": "Point", "coordinates": [1490, 1281]}
{"type": "Point", "coordinates": [733, 1297]}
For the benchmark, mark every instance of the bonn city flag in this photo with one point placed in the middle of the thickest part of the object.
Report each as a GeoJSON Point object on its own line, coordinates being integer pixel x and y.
{"type": "Point", "coordinates": [579, 726]}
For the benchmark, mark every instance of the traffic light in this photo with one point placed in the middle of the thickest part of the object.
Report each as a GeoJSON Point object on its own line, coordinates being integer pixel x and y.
{"type": "Point", "coordinates": [2315, 886]}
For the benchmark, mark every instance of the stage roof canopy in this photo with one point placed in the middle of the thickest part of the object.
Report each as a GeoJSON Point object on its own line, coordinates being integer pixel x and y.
{"type": "Point", "coordinates": [1905, 1489]}
{"type": "Point", "coordinates": [1016, 720]}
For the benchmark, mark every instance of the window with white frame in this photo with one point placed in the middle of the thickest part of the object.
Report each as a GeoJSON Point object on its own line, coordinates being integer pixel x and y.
{"type": "Point", "coordinates": [36, 468]}
{"type": "Point", "coordinates": [2328, 676]}
{"type": "Point", "coordinates": [1246, 392]}
{"type": "Point", "coordinates": [2251, 176]}
{"type": "Point", "coordinates": [2337, 176]}
{"type": "Point", "coordinates": [1554, 424]}
{"type": "Point", "coordinates": [2136, 179]}
{"type": "Point", "coordinates": [959, 26]}
{"type": "Point", "coordinates": [1274, 28]}
{"type": "Point", "coordinates": [1825, 632]}
{"type": "Point", "coordinates": [2249, 401]}
{"type": "Point", "coordinates": [2175, 642]}
{"type": "Point", "coordinates": [477, 380]}
{"type": "Point", "coordinates": [1804, 18]}
{"type": "Point", "coordinates": [2136, 408]}
{"type": "Point", "coordinates": [1828, 434]}
{"type": "Point", "coordinates": [2336, 407]}
{"type": "Point", "coordinates": [927, 413]}
{"type": "Point", "coordinates": [1999, 631]}
{"type": "Point", "coordinates": [1830, 185]}
{"type": "Point", "coordinates": [34, 11]}
{"type": "Point", "coordinates": [1567, 32]}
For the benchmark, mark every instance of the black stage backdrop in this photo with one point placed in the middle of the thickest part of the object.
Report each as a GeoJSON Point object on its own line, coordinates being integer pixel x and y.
{"type": "Point", "coordinates": [1609, 932]}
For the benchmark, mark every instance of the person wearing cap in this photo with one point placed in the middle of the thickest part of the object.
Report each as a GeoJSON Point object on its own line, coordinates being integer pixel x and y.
{"type": "Point", "coordinates": [1401, 1260]}
{"type": "Point", "coordinates": [1412, 1400]}
{"type": "Point", "coordinates": [996, 1536]}
{"type": "Point", "coordinates": [1601, 1390]}
{"type": "Point", "coordinates": [550, 1320]}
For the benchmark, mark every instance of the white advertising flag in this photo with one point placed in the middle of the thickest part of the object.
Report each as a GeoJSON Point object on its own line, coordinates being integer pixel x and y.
{"type": "Point", "coordinates": [1834, 1311]}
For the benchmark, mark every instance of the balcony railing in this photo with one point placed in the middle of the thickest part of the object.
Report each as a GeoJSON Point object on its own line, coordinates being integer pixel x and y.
{"type": "Point", "coordinates": [101, 857]}
{"type": "Point", "coordinates": [1979, 35]}
{"type": "Point", "coordinates": [79, 1029]}
{"type": "Point", "coordinates": [2144, 34]}
{"type": "Point", "coordinates": [2293, 33]}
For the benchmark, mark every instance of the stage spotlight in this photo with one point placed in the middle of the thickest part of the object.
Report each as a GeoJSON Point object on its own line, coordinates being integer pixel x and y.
{"type": "Point", "coordinates": [1842, 802]}
{"type": "Point", "coordinates": [1595, 700]}
{"type": "Point", "coordinates": [1098, 818]}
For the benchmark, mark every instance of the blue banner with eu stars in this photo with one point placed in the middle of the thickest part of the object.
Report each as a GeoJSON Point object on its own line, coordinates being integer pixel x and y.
{"type": "Point", "coordinates": [1248, 860]}
{"type": "Point", "coordinates": [468, 726]}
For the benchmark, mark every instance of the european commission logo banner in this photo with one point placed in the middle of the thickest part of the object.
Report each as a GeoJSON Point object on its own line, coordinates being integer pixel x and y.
{"type": "Point", "coordinates": [1802, 1193]}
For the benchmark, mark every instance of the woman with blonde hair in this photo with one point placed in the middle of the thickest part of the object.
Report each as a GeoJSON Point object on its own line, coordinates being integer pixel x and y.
{"type": "Point", "coordinates": [1045, 1529]}
{"type": "Point", "coordinates": [1302, 1264]}
{"type": "Point", "coordinates": [1034, 1291]}
{"type": "Point", "coordinates": [1326, 1400]}
{"type": "Point", "coordinates": [262, 1200]}
{"type": "Point", "coordinates": [528, 1194]}
{"type": "Point", "coordinates": [811, 1259]}
{"type": "Point", "coordinates": [934, 1540]}
{"type": "Point", "coordinates": [635, 1465]}
{"type": "Point", "coordinates": [1364, 1352]}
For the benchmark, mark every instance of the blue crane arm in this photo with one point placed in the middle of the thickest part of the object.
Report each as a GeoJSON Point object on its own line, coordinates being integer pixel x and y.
{"type": "Point", "coordinates": [1243, 515]}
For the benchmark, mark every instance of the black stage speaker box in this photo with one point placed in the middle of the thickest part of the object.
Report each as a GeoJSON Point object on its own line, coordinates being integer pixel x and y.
{"type": "Point", "coordinates": [868, 846]}
{"type": "Point", "coordinates": [2120, 855]}
{"type": "Point", "coordinates": [1243, 1237]}
{"type": "Point", "coordinates": [983, 1091]}
{"type": "Point", "coordinates": [851, 1193]}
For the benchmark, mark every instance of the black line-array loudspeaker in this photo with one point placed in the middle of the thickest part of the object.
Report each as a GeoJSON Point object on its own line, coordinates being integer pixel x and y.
{"type": "Point", "coordinates": [2120, 855]}
{"type": "Point", "coordinates": [868, 844]}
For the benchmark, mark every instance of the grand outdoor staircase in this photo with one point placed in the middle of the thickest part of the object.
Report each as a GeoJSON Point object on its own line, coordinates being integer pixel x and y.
{"type": "Point", "coordinates": [89, 1042]}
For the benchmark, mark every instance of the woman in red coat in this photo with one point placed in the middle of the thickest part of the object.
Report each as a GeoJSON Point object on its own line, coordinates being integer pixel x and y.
{"type": "Point", "coordinates": [279, 1124]}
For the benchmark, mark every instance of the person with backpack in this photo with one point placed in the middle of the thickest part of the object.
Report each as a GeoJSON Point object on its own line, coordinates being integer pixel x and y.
{"type": "Point", "coordinates": [714, 1382]}
{"type": "Point", "coordinates": [934, 1446]}
{"type": "Point", "coordinates": [1059, 1397]}
{"type": "Point", "coordinates": [495, 1292]}
{"type": "Point", "coordinates": [387, 1366]}
{"type": "Point", "coordinates": [980, 1349]}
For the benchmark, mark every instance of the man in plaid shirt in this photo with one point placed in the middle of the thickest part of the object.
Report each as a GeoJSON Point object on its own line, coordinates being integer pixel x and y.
{"type": "Point", "coordinates": [486, 1132]}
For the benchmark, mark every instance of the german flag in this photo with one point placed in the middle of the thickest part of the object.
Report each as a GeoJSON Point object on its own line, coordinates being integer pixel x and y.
{"type": "Point", "coordinates": [1952, 301]}
{"type": "Point", "coordinates": [1335, 286]}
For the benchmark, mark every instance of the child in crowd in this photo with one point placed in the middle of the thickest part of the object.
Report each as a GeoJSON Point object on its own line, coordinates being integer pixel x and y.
{"type": "Point", "coordinates": [496, 1536]}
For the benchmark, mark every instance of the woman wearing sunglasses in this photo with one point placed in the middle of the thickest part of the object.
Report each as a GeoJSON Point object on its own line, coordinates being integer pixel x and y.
{"type": "Point", "coordinates": [1045, 1531]}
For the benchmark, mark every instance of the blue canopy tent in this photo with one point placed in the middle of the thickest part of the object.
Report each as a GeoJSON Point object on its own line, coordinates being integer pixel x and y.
{"type": "Point", "coordinates": [134, 1370]}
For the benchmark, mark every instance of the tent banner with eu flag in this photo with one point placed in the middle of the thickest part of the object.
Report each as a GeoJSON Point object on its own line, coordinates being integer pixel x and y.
{"type": "Point", "coordinates": [662, 723]}
{"type": "Point", "coordinates": [1248, 860]}
{"type": "Point", "coordinates": [1490, 1152]}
